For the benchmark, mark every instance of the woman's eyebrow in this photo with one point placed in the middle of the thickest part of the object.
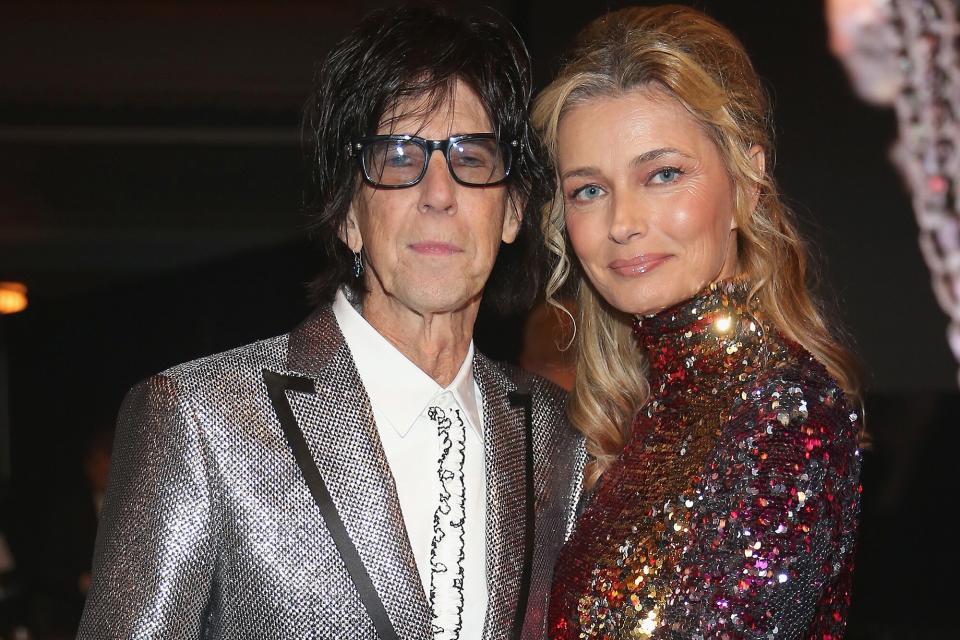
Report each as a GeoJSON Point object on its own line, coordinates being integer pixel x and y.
{"type": "Point", "coordinates": [654, 154]}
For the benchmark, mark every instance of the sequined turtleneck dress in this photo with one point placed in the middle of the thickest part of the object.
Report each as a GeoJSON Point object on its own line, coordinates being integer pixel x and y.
{"type": "Point", "coordinates": [732, 510]}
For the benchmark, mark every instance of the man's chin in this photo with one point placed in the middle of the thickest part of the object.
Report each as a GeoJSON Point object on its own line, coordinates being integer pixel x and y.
{"type": "Point", "coordinates": [443, 300]}
{"type": "Point", "coordinates": [444, 304]}
{"type": "Point", "coordinates": [433, 298]}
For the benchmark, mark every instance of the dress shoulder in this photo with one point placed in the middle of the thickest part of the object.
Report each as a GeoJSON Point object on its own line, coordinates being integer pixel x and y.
{"type": "Point", "coordinates": [771, 546]}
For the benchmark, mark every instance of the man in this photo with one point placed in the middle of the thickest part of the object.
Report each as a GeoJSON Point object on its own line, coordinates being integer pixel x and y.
{"type": "Point", "coordinates": [368, 475]}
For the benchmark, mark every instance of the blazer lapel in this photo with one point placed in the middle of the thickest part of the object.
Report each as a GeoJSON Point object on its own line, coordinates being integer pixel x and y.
{"type": "Point", "coordinates": [505, 474]}
{"type": "Point", "coordinates": [337, 423]}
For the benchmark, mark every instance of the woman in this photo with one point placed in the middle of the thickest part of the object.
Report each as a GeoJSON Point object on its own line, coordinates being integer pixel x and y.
{"type": "Point", "coordinates": [720, 411]}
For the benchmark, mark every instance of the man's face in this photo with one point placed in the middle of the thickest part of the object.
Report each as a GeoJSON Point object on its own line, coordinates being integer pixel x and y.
{"type": "Point", "coordinates": [430, 248]}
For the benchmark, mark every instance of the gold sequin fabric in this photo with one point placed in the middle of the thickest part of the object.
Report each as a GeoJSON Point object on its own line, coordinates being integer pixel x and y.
{"type": "Point", "coordinates": [732, 511]}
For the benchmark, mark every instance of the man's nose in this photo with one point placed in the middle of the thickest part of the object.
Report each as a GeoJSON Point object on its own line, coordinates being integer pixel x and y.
{"type": "Point", "coordinates": [438, 189]}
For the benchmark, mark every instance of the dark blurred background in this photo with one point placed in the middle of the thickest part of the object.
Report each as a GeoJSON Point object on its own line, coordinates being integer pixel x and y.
{"type": "Point", "coordinates": [150, 176]}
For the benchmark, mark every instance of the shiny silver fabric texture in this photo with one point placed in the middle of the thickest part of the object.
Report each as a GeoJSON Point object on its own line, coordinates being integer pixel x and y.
{"type": "Point", "coordinates": [209, 529]}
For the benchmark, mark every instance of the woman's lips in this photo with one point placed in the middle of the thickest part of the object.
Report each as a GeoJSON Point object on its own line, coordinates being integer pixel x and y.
{"type": "Point", "coordinates": [435, 248]}
{"type": "Point", "coordinates": [639, 265]}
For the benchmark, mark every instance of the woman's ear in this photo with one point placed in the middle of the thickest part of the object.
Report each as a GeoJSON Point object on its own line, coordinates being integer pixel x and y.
{"type": "Point", "coordinates": [751, 193]}
{"type": "Point", "coordinates": [758, 159]}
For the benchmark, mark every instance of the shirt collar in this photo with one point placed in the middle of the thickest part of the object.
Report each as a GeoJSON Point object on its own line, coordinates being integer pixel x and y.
{"type": "Point", "coordinates": [398, 389]}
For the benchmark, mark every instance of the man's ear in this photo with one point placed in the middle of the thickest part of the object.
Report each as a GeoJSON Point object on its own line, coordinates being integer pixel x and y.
{"type": "Point", "coordinates": [512, 218]}
{"type": "Point", "coordinates": [350, 230]}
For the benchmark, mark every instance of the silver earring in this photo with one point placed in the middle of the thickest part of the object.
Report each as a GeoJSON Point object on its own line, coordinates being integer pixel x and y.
{"type": "Point", "coordinates": [357, 264]}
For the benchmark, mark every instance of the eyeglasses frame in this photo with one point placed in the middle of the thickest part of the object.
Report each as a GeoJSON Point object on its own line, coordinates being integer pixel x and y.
{"type": "Point", "coordinates": [355, 149]}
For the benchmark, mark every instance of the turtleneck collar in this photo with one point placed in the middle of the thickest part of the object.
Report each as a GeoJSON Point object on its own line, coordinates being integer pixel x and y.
{"type": "Point", "coordinates": [703, 345]}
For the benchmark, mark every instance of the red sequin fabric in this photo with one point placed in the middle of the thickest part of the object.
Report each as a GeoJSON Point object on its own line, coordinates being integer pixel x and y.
{"type": "Point", "coordinates": [732, 511]}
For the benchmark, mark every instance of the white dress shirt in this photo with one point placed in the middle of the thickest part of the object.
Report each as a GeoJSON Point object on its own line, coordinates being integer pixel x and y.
{"type": "Point", "coordinates": [400, 393]}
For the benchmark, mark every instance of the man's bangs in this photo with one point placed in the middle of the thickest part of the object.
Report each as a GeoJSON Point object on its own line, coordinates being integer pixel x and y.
{"type": "Point", "coordinates": [418, 99]}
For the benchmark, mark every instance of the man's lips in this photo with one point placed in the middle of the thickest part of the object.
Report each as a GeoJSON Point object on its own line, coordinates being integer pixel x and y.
{"type": "Point", "coordinates": [431, 248]}
{"type": "Point", "coordinates": [639, 265]}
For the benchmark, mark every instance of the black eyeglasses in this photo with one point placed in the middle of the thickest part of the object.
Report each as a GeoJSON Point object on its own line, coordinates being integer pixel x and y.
{"type": "Point", "coordinates": [395, 162]}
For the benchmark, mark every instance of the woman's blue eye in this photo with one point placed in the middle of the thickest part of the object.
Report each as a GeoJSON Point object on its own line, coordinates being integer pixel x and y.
{"type": "Point", "coordinates": [666, 175]}
{"type": "Point", "coordinates": [588, 192]}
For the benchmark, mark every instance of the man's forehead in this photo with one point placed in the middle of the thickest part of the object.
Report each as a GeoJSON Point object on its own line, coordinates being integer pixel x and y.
{"type": "Point", "coordinates": [453, 106]}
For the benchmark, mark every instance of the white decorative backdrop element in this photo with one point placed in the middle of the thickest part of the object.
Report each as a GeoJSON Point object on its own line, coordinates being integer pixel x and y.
{"type": "Point", "coordinates": [904, 53]}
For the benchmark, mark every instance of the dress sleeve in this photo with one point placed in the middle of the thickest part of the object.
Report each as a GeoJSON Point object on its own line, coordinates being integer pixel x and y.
{"type": "Point", "coordinates": [769, 549]}
{"type": "Point", "coordinates": [153, 561]}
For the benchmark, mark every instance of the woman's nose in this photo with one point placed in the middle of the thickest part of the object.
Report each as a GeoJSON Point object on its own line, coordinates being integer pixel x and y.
{"type": "Point", "coordinates": [627, 220]}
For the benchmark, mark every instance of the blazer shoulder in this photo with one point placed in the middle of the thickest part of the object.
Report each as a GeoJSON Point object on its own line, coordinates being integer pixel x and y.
{"type": "Point", "coordinates": [217, 377]}
{"type": "Point", "coordinates": [209, 392]}
{"type": "Point", "coordinates": [270, 352]}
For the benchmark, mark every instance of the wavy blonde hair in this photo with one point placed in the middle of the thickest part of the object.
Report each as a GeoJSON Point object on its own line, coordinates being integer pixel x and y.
{"type": "Point", "coordinates": [686, 55]}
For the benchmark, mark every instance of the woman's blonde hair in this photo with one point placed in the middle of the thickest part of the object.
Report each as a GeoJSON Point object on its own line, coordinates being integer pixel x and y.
{"type": "Point", "coordinates": [686, 55]}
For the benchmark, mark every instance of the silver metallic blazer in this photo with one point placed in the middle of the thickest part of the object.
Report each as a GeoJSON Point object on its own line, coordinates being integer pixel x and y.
{"type": "Point", "coordinates": [209, 529]}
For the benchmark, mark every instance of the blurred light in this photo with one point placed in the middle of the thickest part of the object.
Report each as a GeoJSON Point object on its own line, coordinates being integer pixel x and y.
{"type": "Point", "coordinates": [723, 323]}
{"type": "Point", "coordinates": [649, 625]}
{"type": "Point", "coordinates": [13, 297]}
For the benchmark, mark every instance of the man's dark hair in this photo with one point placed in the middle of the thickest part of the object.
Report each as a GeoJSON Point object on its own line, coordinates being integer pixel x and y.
{"type": "Point", "coordinates": [412, 52]}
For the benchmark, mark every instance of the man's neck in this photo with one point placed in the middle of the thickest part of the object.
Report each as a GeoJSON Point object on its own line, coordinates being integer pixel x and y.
{"type": "Point", "coordinates": [436, 342]}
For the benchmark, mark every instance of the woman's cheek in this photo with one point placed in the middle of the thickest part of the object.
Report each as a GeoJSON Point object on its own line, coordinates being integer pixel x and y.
{"type": "Point", "coordinates": [578, 230]}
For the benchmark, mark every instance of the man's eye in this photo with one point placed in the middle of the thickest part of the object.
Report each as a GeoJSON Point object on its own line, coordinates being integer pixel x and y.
{"type": "Point", "coordinates": [397, 158]}
{"type": "Point", "coordinates": [471, 161]}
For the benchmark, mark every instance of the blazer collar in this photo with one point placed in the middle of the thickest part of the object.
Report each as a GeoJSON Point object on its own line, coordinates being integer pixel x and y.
{"type": "Point", "coordinates": [504, 459]}
{"type": "Point", "coordinates": [315, 342]}
{"type": "Point", "coordinates": [337, 423]}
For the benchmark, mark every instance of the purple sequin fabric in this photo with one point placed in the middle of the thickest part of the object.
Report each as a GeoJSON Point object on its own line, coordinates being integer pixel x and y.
{"type": "Point", "coordinates": [732, 511]}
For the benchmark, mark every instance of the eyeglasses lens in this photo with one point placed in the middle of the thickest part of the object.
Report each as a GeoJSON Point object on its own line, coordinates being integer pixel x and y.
{"type": "Point", "coordinates": [475, 161]}
{"type": "Point", "coordinates": [393, 162]}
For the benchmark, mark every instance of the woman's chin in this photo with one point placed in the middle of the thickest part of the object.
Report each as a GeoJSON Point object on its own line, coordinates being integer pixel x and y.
{"type": "Point", "coordinates": [646, 306]}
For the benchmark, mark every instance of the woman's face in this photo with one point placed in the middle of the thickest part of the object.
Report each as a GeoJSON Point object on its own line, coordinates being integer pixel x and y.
{"type": "Point", "coordinates": [649, 205]}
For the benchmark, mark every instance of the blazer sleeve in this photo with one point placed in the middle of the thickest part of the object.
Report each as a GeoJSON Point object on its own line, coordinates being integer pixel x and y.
{"type": "Point", "coordinates": [153, 560]}
{"type": "Point", "coordinates": [774, 556]}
